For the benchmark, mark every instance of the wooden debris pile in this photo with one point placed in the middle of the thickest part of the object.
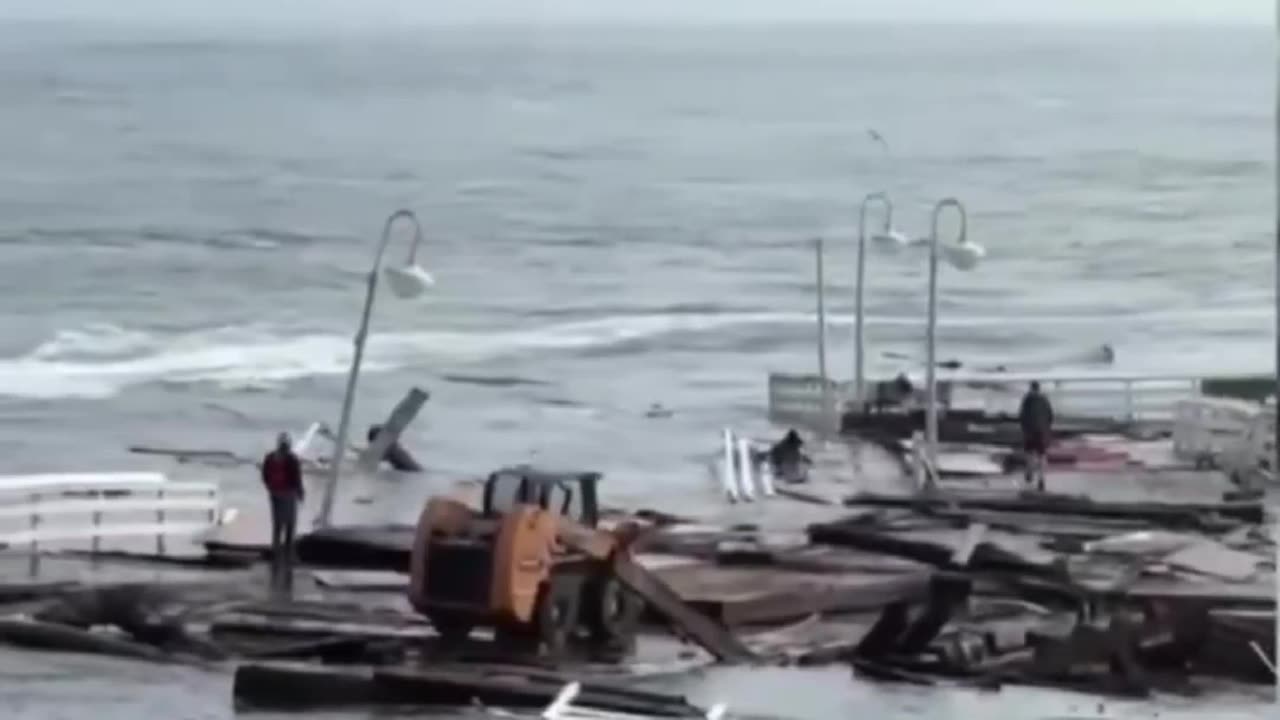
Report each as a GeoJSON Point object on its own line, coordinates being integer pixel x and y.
{"type": "Point", "coordinates": [980, 588]}
{"type": "Point", "coordinates": [1110, 598]}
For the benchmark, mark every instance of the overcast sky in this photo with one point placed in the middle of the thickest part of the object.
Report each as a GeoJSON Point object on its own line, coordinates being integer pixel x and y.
{"type": "Point", "coordinates": [374, 12]}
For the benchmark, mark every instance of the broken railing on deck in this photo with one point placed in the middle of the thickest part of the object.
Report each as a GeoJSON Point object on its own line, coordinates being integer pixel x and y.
{"type": "Point", "coordinates": [62, 509]}
{"type": "Point", "coordinates": [799, 399]}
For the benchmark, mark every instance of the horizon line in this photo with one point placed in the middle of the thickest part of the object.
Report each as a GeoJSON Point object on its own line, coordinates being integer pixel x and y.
{"type": "Point", "coordinates": [346, 24]}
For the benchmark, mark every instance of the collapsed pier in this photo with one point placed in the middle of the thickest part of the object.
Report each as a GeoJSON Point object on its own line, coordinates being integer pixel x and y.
{"type": "Point", "coordinates": [1123, 579]}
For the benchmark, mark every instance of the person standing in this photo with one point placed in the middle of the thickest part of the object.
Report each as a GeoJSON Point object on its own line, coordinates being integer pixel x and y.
{"type": "Point", "coordinates": [1036, 418]}
{"type": "Point", "coordinates": [282, 476]}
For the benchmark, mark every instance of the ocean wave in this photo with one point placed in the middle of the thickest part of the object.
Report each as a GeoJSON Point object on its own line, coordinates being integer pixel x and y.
{"type": "Point", "coordinates": [102, 360]}
{"type": "Point", "coordinates": [94, 341]}
{"type": "Point", "coordinates": [499, 381]}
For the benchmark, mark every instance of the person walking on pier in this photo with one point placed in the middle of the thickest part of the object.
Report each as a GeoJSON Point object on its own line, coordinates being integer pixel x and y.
{"type": "Point", "coordinates": [1036, 418]}
{"type": "Point", "coordinates": [282, 476]}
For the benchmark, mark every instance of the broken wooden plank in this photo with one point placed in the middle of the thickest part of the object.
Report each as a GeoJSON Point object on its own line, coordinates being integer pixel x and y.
{"type": "Point", "coordinates": [986, 555]}
{"type": "Point", "coordinates": [1105, 654]}
{"type": "Point", "coordinates": [363, 547]}
{"type": "Point", "coordinates": [458, 687]}
{"type": "Point", "coordinates": [1215, 560]}
{"type": "Point", "coordinates": [53, 636]}
{"type": "Point", "coordinates": [188, 453]}
{"type": "Point", "coordinates": [299, 687]}
{"type": "Point", "coordinates": [946, 595]}
{"type": "Point", "coordinates": [241, 625]}
{"type": "Point", "coordinates": [746, 595]}
{"type": "Point", "coordinates": [660, 598]}
{"type": "Point", "coordinates": [973, 536]}
{"type": "Point", "coordinates": [1168, 514]}
{"type": "Point", "coordinates": [18, 592]}
{"type": "Point", "coordinates": [811, 496]}
{"type": "Point", "coordinates": [1225, 650]}
{"type": "Point", "coordinates": [389, 433]}
{"type": "Point", "coordinates": [361, 580]}
{"type": "Point", "coordinates": [296, 686]}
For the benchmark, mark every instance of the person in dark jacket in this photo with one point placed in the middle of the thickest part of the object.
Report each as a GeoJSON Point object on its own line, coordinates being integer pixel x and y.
{"type": "Point", "coordinates": [1036, 418]}
{"type": "Point", "coordinates": [282, 476]}
{"type": "Point", "coordinates": [790, 464]}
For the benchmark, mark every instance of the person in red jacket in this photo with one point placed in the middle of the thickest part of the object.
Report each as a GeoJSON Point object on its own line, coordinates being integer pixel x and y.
{"type": "Point", "coordinates": [282, 476]}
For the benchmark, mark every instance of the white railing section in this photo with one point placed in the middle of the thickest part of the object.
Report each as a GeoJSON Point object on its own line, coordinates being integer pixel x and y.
{"type": "Point", "coordinates": [48, 510]}
{"type": "Point", "coordinates": [1236, 436]}
{"type": "Point", "coordinates": [741, 476]}
{"type": "Point", "coordinates": [799, 398]}
{"type": "Point", "coordinates": [1213, 431]}
{"type": "Point", "coordinates": [562, 708]}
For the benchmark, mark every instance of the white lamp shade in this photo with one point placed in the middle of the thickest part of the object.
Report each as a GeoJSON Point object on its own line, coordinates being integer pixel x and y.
{"type": "Point", "coordinates": [965, 255]}
{"type": "Point", "coordinates": [409, 281]}
{"type": "Point", "coordinates": [890, 240]}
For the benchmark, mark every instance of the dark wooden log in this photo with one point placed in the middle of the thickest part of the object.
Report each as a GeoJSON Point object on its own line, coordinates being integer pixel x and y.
{"type": "Point", "coordinates": [986, 556]}
{"type": "Point", "coordinates": [302, 687]}
{"type": "Point", "coordinates": [1183, 515]}
{"type": "Point", "coordinates": [1226, 652]}
{"type": "Point", "coordinates": [883, 636]}
{"type": "Point", "coordinates": [53, 636]}
{"type": "Point", "coordinates": [461, 688]}
{"type": "Point", "coordinates": [298, 687]}
{"type": "Point", "coordinates": [27, 591]}
{"type": "Point", "coordinates": [946, 595]}
{"type": "Point", "coordinates": [381, 547]}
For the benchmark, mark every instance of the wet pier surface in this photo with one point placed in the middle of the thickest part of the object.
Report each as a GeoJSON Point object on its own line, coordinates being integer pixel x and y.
{"type": "Point", "coordinates": [802, 582]}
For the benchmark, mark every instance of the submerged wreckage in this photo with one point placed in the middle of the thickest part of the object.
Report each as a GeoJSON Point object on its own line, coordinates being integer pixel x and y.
{"type": "Point", "coordinates": [536, 593]}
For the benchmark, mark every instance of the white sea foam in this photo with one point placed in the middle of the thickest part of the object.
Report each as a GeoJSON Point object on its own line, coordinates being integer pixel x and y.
{"type": "Point", "coordinates": [101, 360]}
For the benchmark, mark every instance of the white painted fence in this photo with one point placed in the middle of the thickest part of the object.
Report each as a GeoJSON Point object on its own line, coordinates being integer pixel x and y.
{"type": "Point", "coordinates": [741, 477]}
{"type": "Point", "coordinates": [48, 510]}
{"type": "Point", "coordinates": [799, 398]}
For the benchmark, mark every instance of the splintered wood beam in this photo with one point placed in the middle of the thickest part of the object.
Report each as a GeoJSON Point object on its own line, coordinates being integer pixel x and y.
{"type": "Point", "coordinates": [389, 434]}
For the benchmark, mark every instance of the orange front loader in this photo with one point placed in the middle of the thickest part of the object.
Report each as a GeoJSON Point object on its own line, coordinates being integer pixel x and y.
{"type": "Point", "coordinates": [531, 564]}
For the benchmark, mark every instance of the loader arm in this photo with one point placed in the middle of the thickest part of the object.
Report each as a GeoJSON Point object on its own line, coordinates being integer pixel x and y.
{"type": "Point", "coordinates": [615, 547]}
{"type": "Point", "coordinates": [596, 543]}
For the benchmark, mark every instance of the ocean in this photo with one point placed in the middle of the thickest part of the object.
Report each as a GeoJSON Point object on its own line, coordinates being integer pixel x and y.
{"type": "Point", "coordinates": [616, 217]}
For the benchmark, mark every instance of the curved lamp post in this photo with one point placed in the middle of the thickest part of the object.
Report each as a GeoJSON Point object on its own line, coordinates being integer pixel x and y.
{"type": "Point", "coordinates": [963, 255]}
{"type": "Point", "coordinates": [407, 281]}
{"type": "Point", "coordinates": [889, 238]}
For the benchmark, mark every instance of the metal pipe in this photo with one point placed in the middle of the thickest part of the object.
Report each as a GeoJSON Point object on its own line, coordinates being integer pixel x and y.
{"type": "Point", "coordinates": [859, 372]}
{"type": "Point", "coordinates": [931, 389]}
{"type": "Point", "coordinates": [344, 420]}
{"type": "Point", "coordinates": [820, 280]}
{"type": "Point", "coordinates": [1275, 456]}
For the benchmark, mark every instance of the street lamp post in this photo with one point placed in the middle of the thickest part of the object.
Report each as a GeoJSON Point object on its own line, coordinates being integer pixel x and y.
{"type": "Point", "coordinates": [963, 255]}
{"type": "Point", "coordinates": [407, 281]}
{"type": "Point", "coordinates": [889, 237]}
{"type": "Point", "coordinates": [820, 281]}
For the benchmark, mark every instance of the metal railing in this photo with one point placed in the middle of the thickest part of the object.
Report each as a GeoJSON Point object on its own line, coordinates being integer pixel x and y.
{"type": "Point", "coordinates": [799, 398]}
{"type": "Point", "coordinates": [742, 476]}
{"type": "Point", "coordinates": [48, 510]}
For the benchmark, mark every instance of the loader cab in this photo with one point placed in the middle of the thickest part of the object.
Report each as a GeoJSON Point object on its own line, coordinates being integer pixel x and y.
{"type": "Point", "coordinates": [569, 494]}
